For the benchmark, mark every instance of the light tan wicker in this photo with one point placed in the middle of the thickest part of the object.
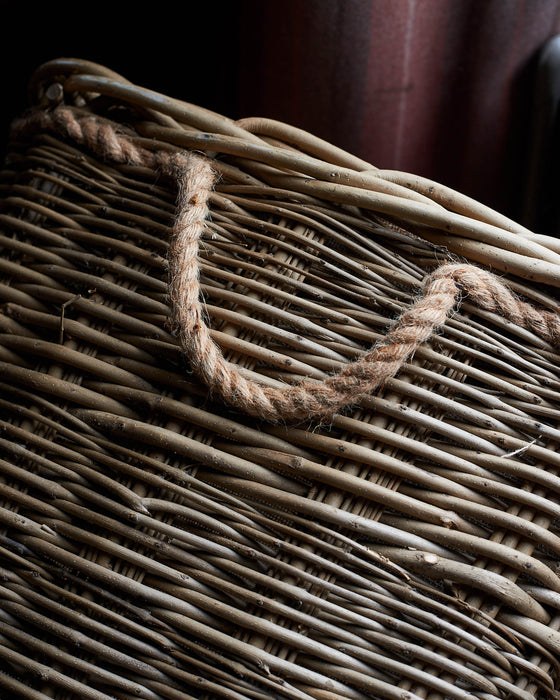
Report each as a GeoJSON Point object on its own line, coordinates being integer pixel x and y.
{"type": "Point", "coordinates": [161, 537]}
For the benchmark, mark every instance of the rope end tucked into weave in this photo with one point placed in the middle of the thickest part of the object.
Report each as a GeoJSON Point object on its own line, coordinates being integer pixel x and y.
{"type": "Point", "coordinates": [309, 400]}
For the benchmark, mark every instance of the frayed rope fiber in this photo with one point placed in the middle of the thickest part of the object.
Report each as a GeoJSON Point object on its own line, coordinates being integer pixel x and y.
{"type": "Point", "coordinates": [309, 399]}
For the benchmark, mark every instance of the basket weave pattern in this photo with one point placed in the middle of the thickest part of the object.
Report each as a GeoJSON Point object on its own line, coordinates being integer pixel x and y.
{"type": "Point", "coordinates": [155, 543]}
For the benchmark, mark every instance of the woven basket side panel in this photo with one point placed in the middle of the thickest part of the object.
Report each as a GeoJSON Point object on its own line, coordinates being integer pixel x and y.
{"type": "Point", "coordinates": [155, 544]}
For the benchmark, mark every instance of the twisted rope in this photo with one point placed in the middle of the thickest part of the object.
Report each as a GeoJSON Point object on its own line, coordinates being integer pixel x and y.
{"type": "Point", "coordinates": [442, 290]}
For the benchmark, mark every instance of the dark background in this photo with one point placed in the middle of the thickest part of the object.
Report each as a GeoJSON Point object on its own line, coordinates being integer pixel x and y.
{"type": "Point", "coordinates": [455, 90]}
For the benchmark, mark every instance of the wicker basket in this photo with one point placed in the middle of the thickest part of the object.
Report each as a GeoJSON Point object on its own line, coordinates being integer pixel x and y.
{"type": "Point", "coordinates": [156, 543]}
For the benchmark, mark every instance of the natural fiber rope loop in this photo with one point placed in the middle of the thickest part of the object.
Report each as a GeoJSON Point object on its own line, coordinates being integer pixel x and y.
{"type": "Point", "coordinates": [310, 399]}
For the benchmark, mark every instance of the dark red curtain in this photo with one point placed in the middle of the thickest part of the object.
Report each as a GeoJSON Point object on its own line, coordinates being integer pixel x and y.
{"type": "Point", "coordinates": [441, 88]}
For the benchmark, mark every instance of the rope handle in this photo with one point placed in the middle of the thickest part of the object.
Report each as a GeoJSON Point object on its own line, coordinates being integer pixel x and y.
{"type": "Point", "coordinates": [309, 399]}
